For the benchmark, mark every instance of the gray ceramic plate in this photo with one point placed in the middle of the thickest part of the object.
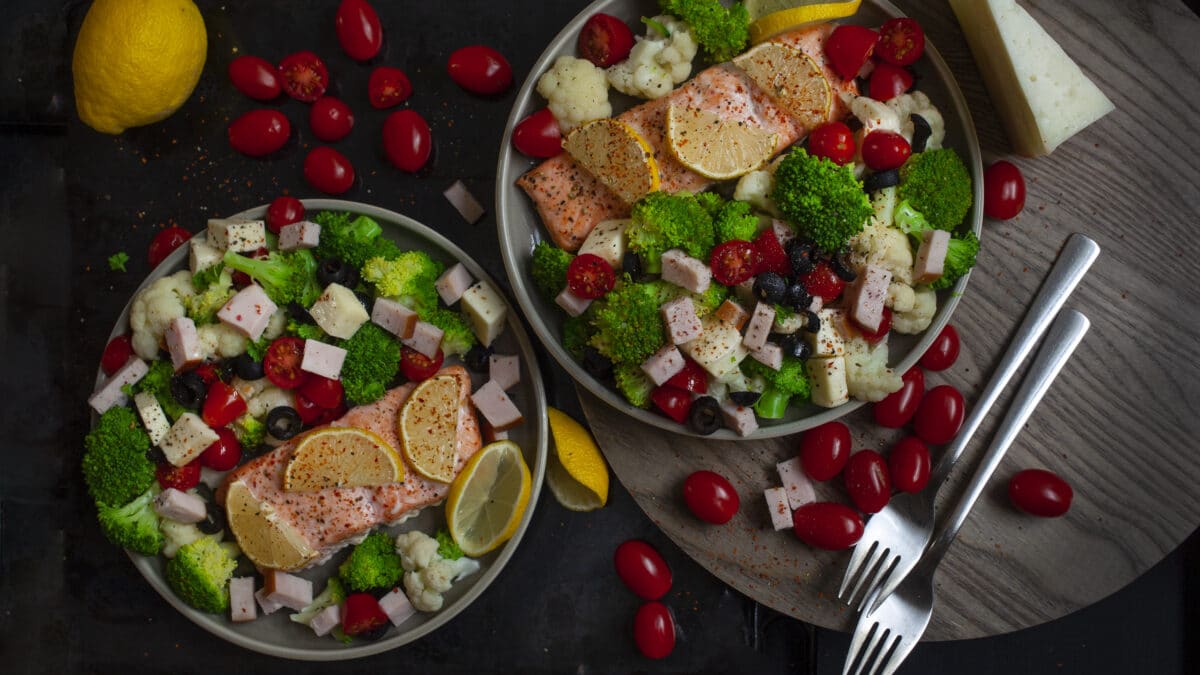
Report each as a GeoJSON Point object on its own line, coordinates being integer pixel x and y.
{"type": "Point", "coordinates": [277, 635]}
{"type": "Point", "coordinates": [520, 228]}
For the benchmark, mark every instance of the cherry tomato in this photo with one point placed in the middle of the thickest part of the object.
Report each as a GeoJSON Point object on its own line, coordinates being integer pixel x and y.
{"type": "Point", "coordinates": [824, 450]}
{"type": "Point", "coordinates": [692, 378]}
{"type": "Point", "coordinates": [940, 415]}
{"type": "Point", "coordinates": [182, 478]}
{"type": "Point", "coordinates": [207, 373]}
{"type": "Point", "coordinates": [255, 77]}
{"type": "Point", "coordinates": [589, 276]}
{"type": "Point", "coordinates": [889, 81]}
{"type": "Point", "coordinates": [654, 630]}
{"type": "Point", "coordinates": [358, 29]}
{"type": "Point", "coordinates": [284, 211]}
{"type": "Point", "coordinates": [222, 405]}
{"type": "Point", "coordinates": [642, 569]}
{"type": "Point", "coordinates": [867, 481]}
{"type": "Point", "coordinates": [1003, 191]}
{"type": "Point", "coordinates": [883, 150]}
{"type": "Point", "coordinates": [417, 367]}
{"type": "Point", "coordinates": [259, 132]}
{"type": "Point", "coordinates": [328, 170]}
{"type": "Point", "coordinates": [406, 140]}
{"type": "Point", "coordinates": [310, 413]}
{"type": "Point", "coordinates": [901, 41]}
{"type": "Point", "coordinates": [362, 614]}
{"type": "Point", "coordinates": [322, 391]}
{"type": "Point", "coordinates": [943, 352]}
{"type": "Point", "coordinates": [710, 497]}
{"type": "Point", "coordinates": [605, 40]}
{"type": "Point", "coordinates": [833, 141]}
{"type": "Point", "coordinates": [224, 453]}
{"type": "Point", "coordinates": [827, 525]}
{"type": "Point", "coordinates": [480, 70]}
{"type": "Point", "coordinates": [771, 256]}
{"type": "Point", "coordinates": [116, 354]}
{"type": "Point", "coordinates": [909, 464]}
{"type": "Point", "coordinates": [388, 87]}
{"type": "Point", "coordinates": [281, 363]}
{"type": "Point", "coordinates": [674, 403]}
{"type": "Point", "coordinates": [734, 261]}
{"type": "Point", "coordinates": [823, 281]}
{"type": "Point", "coordinates": [331, 119]}
{"type": "Point", "coordinates": [1040, 493]}
{"type": "Point", "coordinates": [305, 77]}
{"type": "Point", "coordinates": [898, 407]}
{"type": "Point", "coordinates": [538, 135]}
{"type": "Point", "coordinates": [166, 241]}
{"type": "Point", "coordinates": [876, 336]}
{"type": "Point", "coordinates": [848, 49]}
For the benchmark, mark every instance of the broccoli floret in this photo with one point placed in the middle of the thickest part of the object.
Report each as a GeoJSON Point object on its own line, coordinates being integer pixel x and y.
{"type": "Point", "coordinates": [633, 384]}
{"type": "Point", "coordinates": [286, 277]}
{"type": "Point", "coordinates": [734, 220]}
{"type": "Point", "coordinates": [960, 251]}
{"type": "Point", "coordinates": [133, 526]}
{"type": "Point", "coordinates": [937, 183]}
{"type": "Point", "coordinates": [447, 547]}
{"type": "Point", "coordinates": [373, 564]}
{"type": "Point", "coordinates": [202, 307]}
{"type": "Point", "coordinates": [372, 360]}
{"type": "Point", "coordinates": [707, 302]}
{"type": "Point", "coordinates": [115, 465]}
{"type": "Point", "coordinates": [711, 201]}
{"type": "Point", "coordinates": [407, 278]}
{"type": "Point", "coordinates": [352, 239]}
{"type": "Point", "coordinates": [721, 32]}
{"type": "Point", "coordinates": [457, 335]}
{"type": "Point", "coordinates": [333, 594]}
{"type": "Point", "coordinates": [158, 382]}
{"type": "Point", "coordinates": [577, 332]}
{"type": "Point", "coordinates": [208, 276]}
{"type": "Point", "coordinates": [790, 379]}
{"type": "Point", "coordinates": [629, 326]}
{"type": "Point", "coordinates": [548, 267]}
{"type": "Point", "coordinates": [250, 431]}
{"type": "Point", "coordinates": [199, 574]}
{"type": "Point", "coordinates": [662, 221]}
{"type": "Point", "coordinates": [822, 199]}
{"type": "Point", "coordinates": [304, 331]}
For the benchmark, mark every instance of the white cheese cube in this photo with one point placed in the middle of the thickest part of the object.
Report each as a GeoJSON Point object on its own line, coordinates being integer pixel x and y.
{"type": "Point", "coordinates": [202, 255]}
{"type": "Point", "coordinates": [607, 240]}
{"type": "Point", "coordinates": [338, 311]}
{"type": "Point", "coordinates": [485, 308]}
{"type": "Point", "coordinates": [777, 506]}
{"type": "Point", "coordinates": [796, 484]}
{"type": "Point", "coordinates": [827, 380]}
{"type": "Point", "coordinates": [232, 233]}
{"type": "Point", "coordinates": [719, 349]}
{"type": "Point", "coordinates": [322, 359]}
{"type": "Point", "coordinates": [828, 340]}
{"type": "Point", "coordinates": [303, 234]}
{"type": "Point", "coordinates": [249, 311]}
{"type": "Point", "coordinates": [153, 418]}
{"type": "Point", "coordinates": [110, 394]}
{"type": "Point", "coordinates": [187, 438]}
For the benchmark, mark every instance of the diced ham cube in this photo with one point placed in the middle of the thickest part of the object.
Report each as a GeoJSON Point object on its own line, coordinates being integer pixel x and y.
{"type": "Point", "coordinates": [663, 364]}
{"type": "Point", "coordinates": [796, 483]}
{"type": "Point", "coordinates": [241, 600]}
{"type": "Point", "coordinates": [453, 283]}
{"type": "Point", "coordinates": [489, 433]}
{"type": "Point", "coordinates": [188, 437]}
{"type": "Point", "coordinates": [288, 590]}
{"type": "Point", "coordinates": [759, 327]}
{"type": "Point", "coordinates": [110, 394]}
{"type": "Point", "coordinates": [770, 355]}
{"type": "Point", "coordinates": [397, 606]}
{"type": "Point", "coordinates": [464, 202]}
{"type": "Point", "coordinates": [394, 317]}
{"type": "Point", "coordinates": [249, 311]}
{"type": "Point", "coordinates": [682, 323]}
{"type": "Point", "coordinates": [685, 271]}
{"type": "Point", "coordinates": [739, 418]}
{"type": "Point", "coordinates": [182, 507]}
{"type": "Point", "coordinates": [733, 314]}
{"type": "Point", "coordinates": [931, 256]}
{"type": "Point", "coordinates": [869, 293]}
{"type": "Point", "coordinates": [426, 339]}
{"type": "Point", "coordinates": [496, 407]}
{"type": "Point", "coordinates": [572, 304]}
{"type": "Point", "coordinates": [326, 620]}
{"type": "Point", "coordinates": [303, 234]}
{"type": "Point", "coordinates": [183, 342]}
{"type": "Point", "coordinates": [267, 605]}
{"type": "Point", "coordinates": [777, 506]}
{"type": "Point", "coordinates": [504, 370]}
{"type": "Point", "coordinates": [322, 359]}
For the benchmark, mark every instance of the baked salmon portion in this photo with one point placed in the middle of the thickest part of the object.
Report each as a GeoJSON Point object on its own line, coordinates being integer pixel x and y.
{"type": "Point", "coordinates": [293, 530]}
{"type": "Point", "coordinates": [571, 201]}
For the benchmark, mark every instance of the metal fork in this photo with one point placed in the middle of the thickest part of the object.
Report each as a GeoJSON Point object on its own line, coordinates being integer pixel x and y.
{"type": "Point", "coordinates": [885, 635]}
{"type": "Point", "coordinates": [895, 537]}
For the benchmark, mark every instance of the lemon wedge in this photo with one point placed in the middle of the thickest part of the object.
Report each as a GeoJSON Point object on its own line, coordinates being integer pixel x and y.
{"type": "Point", "coordinates": [488, 498]}
{"type": "Point", "coordinates": [617, 155]}
{"type": "Point", "coordinates": [267, 541]}
{"type": "Point", "coordinates": [576, 474]}
{"type": "Point", "coordinates": [428, 427]}
{"type": "Point", "coordinates": [342, 457]}
{"type": "Point", "coordinates": [769, 18]}
{"type": "Point", "coordinates": [717, 148]}
{"type": "Point", "coordinates": [792, 78]}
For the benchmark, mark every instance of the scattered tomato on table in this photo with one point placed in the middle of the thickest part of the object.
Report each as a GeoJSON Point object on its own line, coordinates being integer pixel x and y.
{"type": "Point", "coordinates": [255, 77]}
{"type": "Point", "coordinates": [328, 170]}
{"type": "Point", "coordinates": [480, 70]}
{"type": "Point", "coordinates": [259, 132]}
{"type": "Point", "coordinates": [898, 408]}
{"type": "Point", "coordinates": [358, 29]}
{"type": "Point", "coordinates": [654, 630]}
{"type": "Point", "coordinates": [642, 569]}
{"type": "Point", "coordinates": [1003, 191]}
{"type": "Point", "coordinates": [710, 497]}
{"type": "Point", "coordinates": [166, 241]}
{"type": "Point", "coordinates": [284, 211]}
{"type": "Point", "coordinates": [867, 481]}
{"type": "Point", "coordinates": [331, 119]}
{"type": "Point", "coordinates": [824, 450]}
{"type": "Point", "coordinates": [388, 87]}
{"type": "Point", "coordinates": [940, 415]}
{"type": "Point", "coordinates": [305, 76]}
{"type": "Point", "coordinates": [406, 140]}
{"type": "Point", "coordinates": [538, 135]}
{"type": "Point", "coordinates": [1040, 493]}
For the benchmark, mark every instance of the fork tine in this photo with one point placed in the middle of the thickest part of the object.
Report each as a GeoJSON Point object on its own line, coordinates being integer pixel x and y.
{"type": "Point", "coordinates": [869, 571]}
{"type": "Point", "coordinates": [904, 645]}
{"type": "Point", "coordinates": [883, 574]}
{"type": "Point", "coordinates": [874, 651]}
{"type": "Point", "coordinates": [886, 650]}
{"type": "Point", "coordinates": [855, 568]}
{"type": "Point", "coordinates": [855, 651]}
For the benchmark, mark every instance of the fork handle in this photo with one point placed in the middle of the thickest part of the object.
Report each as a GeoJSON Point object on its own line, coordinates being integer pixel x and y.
{"type": "Point", "coordinates": [1064, 336]}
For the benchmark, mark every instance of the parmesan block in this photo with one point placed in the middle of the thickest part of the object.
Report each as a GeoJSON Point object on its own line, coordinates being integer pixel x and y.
{"type": "Point", "coordinates": [1041, 94]}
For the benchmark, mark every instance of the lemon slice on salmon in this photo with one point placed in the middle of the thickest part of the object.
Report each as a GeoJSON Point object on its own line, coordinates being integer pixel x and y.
{"type": "Point", "coordinates": [428, 427]}
{"type": "Point", "coordinates": [792, 79]}
{"type": "Point", "coordinates": [617, 155]}
{"type": "Point", "coordinates": [714, 147]}
{"type": "Point", "coordinates": [342, 457]}
{"type": "Point", "coordinates": [266, 540]}
{"type": "Point", "coordinates": [576, 473]}
{"type": "Point", "coordinates": [769, 18]}
{"type": "Point", "coordinates": [486, 501]}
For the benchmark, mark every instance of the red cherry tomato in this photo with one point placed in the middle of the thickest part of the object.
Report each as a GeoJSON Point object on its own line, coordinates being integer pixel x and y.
{"type": "Point", "coordinates": [207, 373]}
{"type": "Point", "coordinates": [480, 70]}
{"type": "Point", "coordinates": [848, 49]}
{"type": "Point", "coordinates": [305, 77]}
{"type": "Point", "coordinates": [589, 276]}
{"type": "Point", "coordinates": [310, 413]}
{"type": "Point", "coordinates": [358, 29]}
{"type": "Point", "coordinates": [284, 211]}
{"type": "Point", "coordinates": [166, 241]}
{"type": "Point", "coordinates": [538, 135]}
{"type": "Point", "coordinates": [328, 170]}
{"type": "Point", "coordinates": [322, 391]}
{"type": "Point", "coordinates": [605, 40]}
{"type": "Point", "coordinates": [654, 630]}
{"type": "Point", "coordinates": [883, 150]}
{"type": "Point", "coordinates": [867, 481]}
{"type": "Point", "coordinates": [734, 261]}
{"type": "Point", "coordinates": [824, 450]}
{"type": "Point", "coordinates": [876, 336]}
{"type": "Point", "coordinates": [827, 525]}
{"type": "Point", "coordinates": [901, 41]}
{"type": "Point", "coordinates": [406, 140]}
{"type": "Point", "coordinates": [1003, 191]}
{"type": "Point", "coordinates": [255, 77]}
{"type": "Point", "coordinates": [1040, 493]}
{"type": "Point", "coordinates": [642, 569]}
{"type": "Point", "coordinates": [224, 453]}
{"type": "Point", "coordinates": [222, 405]}
{"type": "Point", "coordinates": [771, 256]}
{"type": "Point", "coordinates": [674, 403]}
{"type": "Point", "coordinates": [692, 378]}
{"type": "Point", "coordinates": [417, 367]}
{"type": "Point", "coordinates": [361, 613]}
{"type": "Point", "coordinates": [116, 354]}
{"type": "Point", "coordinates": [909, 464]}
{"type": "Point", "coordinates": [281, 363]}
{"type": "Point", "coordinates": [259, 132]}
{"type": "Point", "coordinates": [331, 119]}
{"type": "Point", "coordinates": [889, 81]}
{"type": "Point", "coordinates": [833, 141]}
{"type": "Point", "coordinates": [710, 497]}
{"type": "Point", "coordinates": [898, 407]}
{"type": "Point", "coordinates": [823, 281]}
{"type": "Point", "coordinates": [940, 415]}
{"type": "Point", "coordinates": [182, 478]}
{"type": "Point", "coordinates": [943, 352]}
{"type": "Point", "coordinates": [388, 87]}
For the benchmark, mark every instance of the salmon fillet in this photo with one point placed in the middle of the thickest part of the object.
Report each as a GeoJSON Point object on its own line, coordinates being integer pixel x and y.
{"type": "Point", "coordinates": [571, 201]}
{"type": "Point", "coordinates": [330, 519]}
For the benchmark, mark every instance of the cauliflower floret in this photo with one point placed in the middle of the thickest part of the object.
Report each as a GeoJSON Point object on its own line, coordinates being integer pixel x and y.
{"type": "Point", "coordinates": [867, 376]}
{"type": "Point", "coordinates": [416, 549]}
{"type": "Point", "coordinates": [154, 308]}
{"type": "Point", "coordinates": [755, 188]}
{"type": "Point", "coordinates": [220, 341]}
{"type": "Point", "coordinates": [577, 92]}
{"type": "Point", "coordinates": [917, 102]}
{"type": "Point", "coordinates": [873, 114]}
{"type": "Point", "coordinates": [427, 574]}
{"type": "Point", "coordinates": [921, 315]}
{"type": "Point", "coordinates": [423, 599]}
{"type": "Point", "coordinates": [268, 399]}
{"type": "Point", "coordinates": [882, 246]}
{"type": "Point", "coordinates": [900, 297]}
{"type": "Point", "coordinates": [656, 63]}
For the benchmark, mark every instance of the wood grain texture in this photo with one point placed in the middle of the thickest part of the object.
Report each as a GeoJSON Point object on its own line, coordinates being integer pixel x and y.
{"type": "Point", "coordinates": [1122, 421]}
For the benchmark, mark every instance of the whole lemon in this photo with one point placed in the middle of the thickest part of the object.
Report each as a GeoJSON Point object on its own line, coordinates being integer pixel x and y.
{"type": "Point", "coordinates": [137, 61]}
